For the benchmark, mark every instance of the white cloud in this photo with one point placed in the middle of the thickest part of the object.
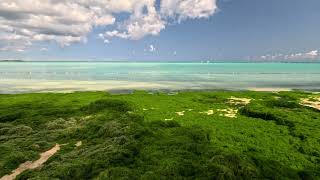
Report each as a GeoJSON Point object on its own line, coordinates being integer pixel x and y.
{"type": "Point", "coordinates": [152, 48]}
{"type": "Point", "coordinates": [44, 49]}
{"type": "Point", "coordinates": [14, 42]}
{"type": "Point", "coordinates": [183, 9]}
{"type": "Point", "coordinates": [24, 22]}
{"type": "Point", "coordinates": [62, 21]}
{"type": "Point", "coordinates": [313, 53]}
{"type": "Point", "coordinates": [295, 56]}
{"type": "Point", "coordinates": [301, 56]}
{"type": "Point", "coordinates": [144, 20]}
{"type": "Point", "coordinates": [104, 20]}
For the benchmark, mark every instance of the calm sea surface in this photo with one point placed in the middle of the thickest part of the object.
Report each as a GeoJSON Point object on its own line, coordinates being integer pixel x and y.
{"type": "Point", "coordinates": [56, 76]}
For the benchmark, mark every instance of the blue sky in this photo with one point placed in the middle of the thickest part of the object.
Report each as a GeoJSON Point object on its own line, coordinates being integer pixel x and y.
{"type": "Point", "coordinates": [166, 30]}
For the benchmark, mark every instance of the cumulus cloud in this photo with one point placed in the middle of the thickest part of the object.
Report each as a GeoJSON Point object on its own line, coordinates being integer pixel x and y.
{"type": "Point", "coordinates": [300, 56]}
{"type": "Point", "coordinates": [311, 55]}
{"type": "Point", "coordinates": [24, 22]}
{"type": "Point", "coordinates": [144, 20]}
{"type": "Point", "coordinates": [183, 9]}
{"type": "Point", "coordinates": [62, 21]}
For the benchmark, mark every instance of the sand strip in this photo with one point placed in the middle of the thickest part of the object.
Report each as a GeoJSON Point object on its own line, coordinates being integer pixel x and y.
{"type": "Point", "coordinates": [32, 165]}
{"type": "Point", "coordinates": [314, 102]}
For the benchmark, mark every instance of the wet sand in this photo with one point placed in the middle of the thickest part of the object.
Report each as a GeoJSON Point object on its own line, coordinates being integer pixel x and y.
{"type": "Point", "coordinates": [64, 86]}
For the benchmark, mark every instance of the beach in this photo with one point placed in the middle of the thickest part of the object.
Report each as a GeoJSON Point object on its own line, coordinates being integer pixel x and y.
{"type": "Point", "coordinates": [22, 77]}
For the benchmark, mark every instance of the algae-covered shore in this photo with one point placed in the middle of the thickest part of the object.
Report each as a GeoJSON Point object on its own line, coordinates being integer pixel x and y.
{"type": "Point", "coordinates": [158, 135]}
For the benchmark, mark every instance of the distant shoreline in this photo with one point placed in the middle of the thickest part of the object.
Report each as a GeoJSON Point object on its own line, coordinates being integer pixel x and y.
{"type": "Point", "coordinates": [12, 61]}
{"type": "Point", "coordinates": [69, 86]}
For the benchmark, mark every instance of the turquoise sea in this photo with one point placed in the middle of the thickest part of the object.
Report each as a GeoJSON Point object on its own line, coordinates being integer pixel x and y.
{"type": "Point", "coordinates": [73, 76]}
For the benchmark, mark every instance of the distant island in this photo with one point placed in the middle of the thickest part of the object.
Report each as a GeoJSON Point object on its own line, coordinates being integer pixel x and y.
{"type": "Point", "coordinates": [11, 60]}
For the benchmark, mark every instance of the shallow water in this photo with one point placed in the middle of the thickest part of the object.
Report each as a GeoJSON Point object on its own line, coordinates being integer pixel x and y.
{"type": "Point", "coordinates": [71, 76]}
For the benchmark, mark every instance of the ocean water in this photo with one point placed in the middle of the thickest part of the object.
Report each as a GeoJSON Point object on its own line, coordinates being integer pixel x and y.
{"type": "Point", "coordinates": [81, 76]}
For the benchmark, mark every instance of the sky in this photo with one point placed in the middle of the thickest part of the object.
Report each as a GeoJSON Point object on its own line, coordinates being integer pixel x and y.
{"type": "Point", "coordinates": [160, 30]}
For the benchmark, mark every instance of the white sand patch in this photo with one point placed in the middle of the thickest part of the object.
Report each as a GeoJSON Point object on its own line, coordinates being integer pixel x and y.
{"type": "Point", "coordinates": [32, 165]}
{"type": "Point", "coordinates": [79, 143]}
{"type": "Point", "coordinates": [168, 119]}
{"type": "Point", "coordinates": [180, 113]}
{"type": "Point", "coordinates": [67, 86]}
{"type": "Point", "coordinates": [313, 102]}
{"type": "Point", "coordinates": [231, 113]}
{"type": "Point", "coordinates": [209, 112]}
{"type": "Point", "coordinates": [239, 101]}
